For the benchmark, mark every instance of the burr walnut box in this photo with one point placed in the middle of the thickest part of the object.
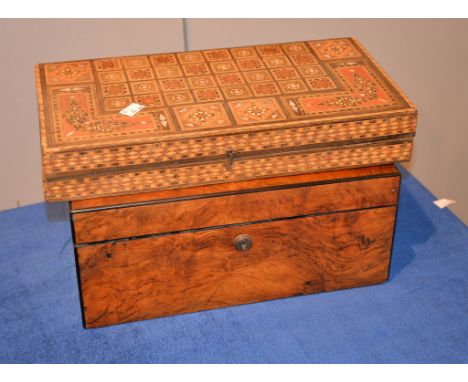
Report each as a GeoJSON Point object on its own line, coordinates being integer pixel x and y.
{"type": "Point", "coordinates": [176, 251]}
{"type": "Point", "coordinates": [216, 116]}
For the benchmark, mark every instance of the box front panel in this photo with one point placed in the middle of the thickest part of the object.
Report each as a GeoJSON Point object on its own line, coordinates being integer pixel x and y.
{"type": "Point", "coordinates": [191, 175]}
{"type": "Point", "coordinates": [170, 274]}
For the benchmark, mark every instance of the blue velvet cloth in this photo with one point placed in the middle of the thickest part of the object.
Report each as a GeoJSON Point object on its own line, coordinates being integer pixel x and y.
{"type": "Point", "coordinates": [419, 316]}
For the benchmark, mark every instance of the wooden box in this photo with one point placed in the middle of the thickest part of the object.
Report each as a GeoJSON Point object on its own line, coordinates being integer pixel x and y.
{"type": "Point", "coordinates": [176, 251]}
{"type": "Point", "coordinates": [217, 116]}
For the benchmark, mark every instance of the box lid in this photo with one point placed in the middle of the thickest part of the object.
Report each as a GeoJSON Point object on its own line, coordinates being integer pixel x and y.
{"type": "Point", "coordinates": [211, 106]}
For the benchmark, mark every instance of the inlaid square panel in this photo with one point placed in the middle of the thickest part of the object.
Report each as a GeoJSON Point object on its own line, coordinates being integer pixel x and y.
{"type": "Point", "coordinates": [311, 70]}
{"type": "Point", "coordinates": [108, 64]}
{"type": "Point", "coordinates": [144, 87]}
{"type": "Point", "coordinates": [276, 61]}
{"type": "Point", "coordinates": [117, 89]}
{"type": "Point", "coordinates": [198, 69]}
{"type": "Point", "coordinates": [334, 49]}
{"type": "Point", "coordinates": [258, 110]}
{"type": "Point", "coordinates": [270, 50]}
{"type": "Point", "coordinates": [250, 64]}
{"type": "Point", "coordinates": [172, 84]}
{"type": "Point", "coordinates": [112, 76]}
{"type": "Point", "coordinates": [230, 79]}
{"type": "Point", "coordinates": [295, 47]}
{"type": "Point", "coordinates": [163, 59]}
{"type": "Point", "coordinates": [190, 57]}
{"type": "Point", "coordinates": [202, 116]}
{"type": "Point", "coordinates": [135, 62]}
{"type": "Point", "coordinates": [201, 82]}
{"type": "Point", "coordinates": [258, 76]}
{"type": "Point", "coordinates": [293, 86]}
{"type": "Point", "coordinates": [237, 91]}
{"type": "Point", "coordinates": [168, 71]}
{"type": "Point", "coordinates": [321, 83]}
{"type": "Point", "coordinates": [265, 89]}
{"type": "Point", "coordinates": [68, 73]}
{"type": "Point", "coordinates": [217, 55]}
{"type": "Point", "coordinates": [245, 52]}
{"type": "Point", "coordinates": [139, 74]}
{"type": "Point", "coordinates": [178, 98]}
{"type": "Point", "coordinates": [208, 94]}
{"type": "Point", "coordinates": [303, 59]}
{"type": "Point", "coordinates": [116, 103]}
{"type": "Point", "coordinates": [223, 67]}
{"type": "Point", "coordinates": [150, 100]}
{"type": "Point", "coordinates": [284, 73]}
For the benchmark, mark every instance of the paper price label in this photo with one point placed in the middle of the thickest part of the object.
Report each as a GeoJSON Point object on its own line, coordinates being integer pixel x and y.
{"type": "Point", "coordinates": [131, 109]}
{"type": "Point", "coordinates": [442, 203]}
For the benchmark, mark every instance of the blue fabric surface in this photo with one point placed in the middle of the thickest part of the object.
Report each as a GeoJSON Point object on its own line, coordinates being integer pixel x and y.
{"type": "Point", "coordinates": [419, 316]}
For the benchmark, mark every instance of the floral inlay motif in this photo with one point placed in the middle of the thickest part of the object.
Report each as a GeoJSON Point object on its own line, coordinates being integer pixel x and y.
{"type": "Point", "coordinates": [68, 72]}
{"type": "Point", "coordinates": [333, 49]}
{"type": "Point", "coordinates": [79, 119]}
{"type": "Point", "coordinates": [256, 110]}
{"type": "Point", "coordinates": [366, 92]}
{"type": "Point", "coordinates": [202, 115]}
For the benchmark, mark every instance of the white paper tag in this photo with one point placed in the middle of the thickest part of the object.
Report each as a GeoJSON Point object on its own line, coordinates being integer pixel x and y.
{"type": "Point", "coordinates": [442, 203]}
{"type": "Point", "coordinates": [131, 109]}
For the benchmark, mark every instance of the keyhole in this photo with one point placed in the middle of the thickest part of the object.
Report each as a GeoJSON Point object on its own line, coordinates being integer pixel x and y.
{"type": "Point", "coordinates": [243, 243]}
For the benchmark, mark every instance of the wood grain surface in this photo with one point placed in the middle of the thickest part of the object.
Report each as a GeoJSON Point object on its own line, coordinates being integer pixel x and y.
{"type": "Point", "coordinates": [233, 209]}
{"type": "Point", "coordinates": [164, 275]}
{"type": "Point", "coordinates": [239, 186]}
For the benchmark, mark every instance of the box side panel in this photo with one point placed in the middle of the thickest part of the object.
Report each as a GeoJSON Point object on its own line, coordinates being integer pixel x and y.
{"type": "Point", "coordinates": [138, 156]}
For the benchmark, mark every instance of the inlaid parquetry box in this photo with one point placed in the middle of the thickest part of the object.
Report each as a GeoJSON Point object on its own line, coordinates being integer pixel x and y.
{"type": "Point", "coordinates": [216, 116]}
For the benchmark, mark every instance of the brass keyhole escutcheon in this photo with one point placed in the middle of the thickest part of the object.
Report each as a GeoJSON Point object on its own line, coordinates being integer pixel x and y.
{"type": "Point", "coordinates": [243, 243]}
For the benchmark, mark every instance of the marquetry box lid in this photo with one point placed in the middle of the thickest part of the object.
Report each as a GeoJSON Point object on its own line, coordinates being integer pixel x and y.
{"type": "Point", "coordinates": [217, 115]}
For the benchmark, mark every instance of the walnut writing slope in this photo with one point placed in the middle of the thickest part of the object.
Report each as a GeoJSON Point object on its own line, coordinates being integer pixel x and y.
{"type": "Point", "coordinates": [217, 116]}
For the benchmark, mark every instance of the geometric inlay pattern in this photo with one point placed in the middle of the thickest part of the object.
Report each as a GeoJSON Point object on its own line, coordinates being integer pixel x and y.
{"type": "Point", "coordinates": [302, 79]}
{"type": "Point", "coordinates": [202, 96]}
